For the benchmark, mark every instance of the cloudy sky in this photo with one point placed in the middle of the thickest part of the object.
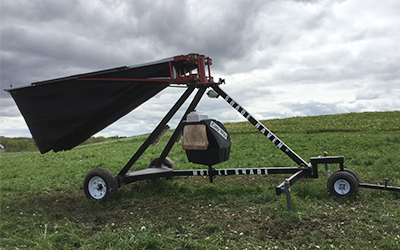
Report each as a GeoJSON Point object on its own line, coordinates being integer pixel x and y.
{"type": "Point", "coordinates": [280, 58]}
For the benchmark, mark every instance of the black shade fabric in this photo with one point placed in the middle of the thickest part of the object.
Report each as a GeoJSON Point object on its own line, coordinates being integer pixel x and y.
{"type": "Point", "coordinates": [63, 113]}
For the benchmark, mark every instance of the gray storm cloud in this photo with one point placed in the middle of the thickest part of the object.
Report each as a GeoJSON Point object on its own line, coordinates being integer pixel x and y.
{"type": "Point", "coordinates": [279, 58]}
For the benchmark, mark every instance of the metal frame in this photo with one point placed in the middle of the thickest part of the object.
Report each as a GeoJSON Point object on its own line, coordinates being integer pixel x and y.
{"type": "Point", "coordinates": [197, 71]}
{"type": "Point", "coordinates": [202, 80]}
{"type": "Point", "coordinates": [303, 169]}
{"type": "Point", "coordinates": [193, 72]}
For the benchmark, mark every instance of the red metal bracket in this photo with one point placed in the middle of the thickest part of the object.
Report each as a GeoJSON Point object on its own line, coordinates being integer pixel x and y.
{"type": "Point", "coordinates": [199, 69]}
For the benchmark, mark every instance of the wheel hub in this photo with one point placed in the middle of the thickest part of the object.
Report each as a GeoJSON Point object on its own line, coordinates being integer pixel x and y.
{"type": "Point", "coordinates": [97, 188]}
{"type": "Point", "coordinates": [342, 186]}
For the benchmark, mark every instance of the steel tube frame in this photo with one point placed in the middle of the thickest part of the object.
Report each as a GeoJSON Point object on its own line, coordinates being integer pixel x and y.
{"type": "Point", "coordinates": [122, 177]}
{"type": "Point", "coordinates": [304, 169]}
{"type": "Point", "coordinates": [156, 131]}
{"type": "Point", "coordinates": [164, 172]}
{"type": "Point", "coordinates": [125, 178]}
{"type": "Point", "coordinates": [159, 171]}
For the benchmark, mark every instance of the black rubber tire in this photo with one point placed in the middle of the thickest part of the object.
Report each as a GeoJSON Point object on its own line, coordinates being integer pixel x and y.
{"type": "Point", "coordinates": [166, 163]}
{"type": "Point", "coordinates": [100, 184]}
{"type": "Point", "coordinates": [350, 172]}
{"type": "Point", "coordinates": [342, 184]}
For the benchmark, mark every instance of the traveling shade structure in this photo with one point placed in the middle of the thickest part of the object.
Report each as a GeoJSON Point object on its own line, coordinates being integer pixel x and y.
{"type": "Point", "coordinates": [64, 112]}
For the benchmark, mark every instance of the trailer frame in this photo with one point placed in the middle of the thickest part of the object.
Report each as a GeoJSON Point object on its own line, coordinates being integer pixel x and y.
{"type": "Point", "coordinates": [191, 71]}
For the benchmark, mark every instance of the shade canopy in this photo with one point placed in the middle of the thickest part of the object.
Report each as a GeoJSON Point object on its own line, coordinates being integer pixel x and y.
{"type": "Point", "coordinates": [64, 112]}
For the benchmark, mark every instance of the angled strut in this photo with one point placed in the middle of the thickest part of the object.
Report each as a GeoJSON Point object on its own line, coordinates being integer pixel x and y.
{"type": "Point", "coordinates": [264, 130]}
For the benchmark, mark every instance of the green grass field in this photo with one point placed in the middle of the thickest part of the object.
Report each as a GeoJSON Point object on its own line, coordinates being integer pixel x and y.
{"type": "Point", "coordinates": [43, 205]}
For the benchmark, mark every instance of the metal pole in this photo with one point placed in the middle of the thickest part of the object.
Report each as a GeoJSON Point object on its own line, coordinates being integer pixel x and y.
{"type": "Point", "coordinates": [326, 164]}
{"type": "Point", "coordinates": [210, 173]}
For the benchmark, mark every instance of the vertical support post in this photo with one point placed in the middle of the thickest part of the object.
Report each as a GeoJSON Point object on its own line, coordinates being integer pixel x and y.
{"type": "Point", "coordinates": [209, 78]}
{"type": "Point", "coordinates": [201, 69]}
{"type": "Point", "coordinates": [386, 182]}
{"type": "Point", "coordinates": [286, 190]}
{"type": "Point", "coordinates": [326, 165]}
{"type": "Point", "coordinates": [211, 173]}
